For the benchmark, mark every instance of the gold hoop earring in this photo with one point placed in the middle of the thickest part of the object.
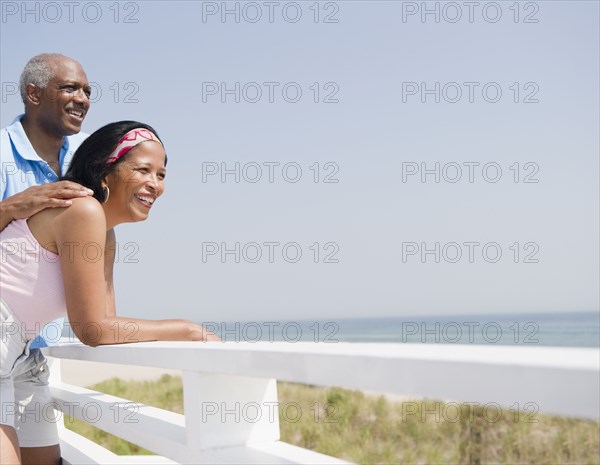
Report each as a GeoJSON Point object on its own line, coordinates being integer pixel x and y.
{"type": "Point", "coordinates": [106, 194]}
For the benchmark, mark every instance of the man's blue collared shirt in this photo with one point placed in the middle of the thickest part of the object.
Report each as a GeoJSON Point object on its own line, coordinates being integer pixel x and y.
{"type": "Point", "coordinates": [21, 168]}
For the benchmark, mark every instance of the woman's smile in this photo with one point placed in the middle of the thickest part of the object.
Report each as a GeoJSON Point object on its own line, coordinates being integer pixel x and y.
{"type": "Point", "coordinates": [136, 183]}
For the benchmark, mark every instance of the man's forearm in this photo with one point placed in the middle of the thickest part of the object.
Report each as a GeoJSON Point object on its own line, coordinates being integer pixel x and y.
{"type": "Point", "coordinates": [5, 214]}
{"type": "Point", "coordinates": [37, 198]}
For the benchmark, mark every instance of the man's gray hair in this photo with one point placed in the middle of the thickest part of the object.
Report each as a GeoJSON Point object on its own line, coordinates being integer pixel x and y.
{"type": "Point", "coordinates": [39, 71]}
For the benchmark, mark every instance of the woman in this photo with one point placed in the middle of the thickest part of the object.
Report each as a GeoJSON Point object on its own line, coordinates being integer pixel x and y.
{"type": "Point", "coordinates": [61, 260]}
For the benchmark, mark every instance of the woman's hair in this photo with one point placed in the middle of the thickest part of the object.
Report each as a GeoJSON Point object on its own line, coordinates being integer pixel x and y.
{"type": "Point", "coordinates": [88, 166]}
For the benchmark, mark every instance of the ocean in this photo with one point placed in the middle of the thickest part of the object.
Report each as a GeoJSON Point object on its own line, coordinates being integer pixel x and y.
{"type": "Point", "coordinates": [573, 329]}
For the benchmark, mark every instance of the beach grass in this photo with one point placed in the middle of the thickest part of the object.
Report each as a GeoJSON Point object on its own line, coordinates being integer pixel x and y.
{"type": "Point", "coordinates": [367, 429]}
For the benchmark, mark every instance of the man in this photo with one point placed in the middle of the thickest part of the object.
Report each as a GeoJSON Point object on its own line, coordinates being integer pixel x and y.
{"type": "Point", "coordinates": [39, 144]}
{"type": "Point", "coordinates": [34, 151]}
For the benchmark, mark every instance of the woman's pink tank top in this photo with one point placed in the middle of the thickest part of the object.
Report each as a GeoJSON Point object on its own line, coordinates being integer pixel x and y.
{"type": "Point", "coordinates": [31, 282]}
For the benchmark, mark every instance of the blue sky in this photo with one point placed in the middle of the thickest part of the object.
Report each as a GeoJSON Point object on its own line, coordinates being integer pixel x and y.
{"type": "Point", "coordinates": [366, 117]}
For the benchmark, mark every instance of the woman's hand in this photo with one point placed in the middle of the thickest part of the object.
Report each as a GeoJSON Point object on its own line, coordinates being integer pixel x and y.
{"type": "Point", "coordinates": [199, 333]}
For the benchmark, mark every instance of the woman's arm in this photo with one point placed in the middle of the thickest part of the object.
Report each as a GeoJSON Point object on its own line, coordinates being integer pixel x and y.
{"type": "Point", "coordinates": [109, 264]}
{"type": "Point", "coordinates": [80, 233]}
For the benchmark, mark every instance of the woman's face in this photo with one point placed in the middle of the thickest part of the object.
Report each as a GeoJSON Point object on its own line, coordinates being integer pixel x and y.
{"type": "Point", "coordinates": [136, 183]}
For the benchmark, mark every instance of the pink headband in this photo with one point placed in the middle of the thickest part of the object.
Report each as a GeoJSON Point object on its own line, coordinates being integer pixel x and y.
{"type": "Point", "coordinates": [129, 141]}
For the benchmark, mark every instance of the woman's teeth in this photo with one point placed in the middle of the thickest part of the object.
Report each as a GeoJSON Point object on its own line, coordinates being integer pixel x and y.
{"type": "Point", "coordinates": [146, 199]}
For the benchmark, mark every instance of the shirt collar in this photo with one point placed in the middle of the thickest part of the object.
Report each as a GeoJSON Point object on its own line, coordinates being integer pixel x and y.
{"type": "Point", "coordinates": [23, 145]}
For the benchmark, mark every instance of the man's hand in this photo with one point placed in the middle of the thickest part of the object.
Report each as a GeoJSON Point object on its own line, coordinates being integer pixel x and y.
{"type": "Point", "coordinates": [37, 198]}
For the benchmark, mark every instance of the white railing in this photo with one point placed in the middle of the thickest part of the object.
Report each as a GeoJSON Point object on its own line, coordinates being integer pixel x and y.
{"type": "Point", "coordinates": [226, 377]}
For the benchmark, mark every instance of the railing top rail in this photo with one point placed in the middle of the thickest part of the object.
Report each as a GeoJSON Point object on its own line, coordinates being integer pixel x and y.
{"type": "Point", "coordinates": [176, 355]}
{"type": "Point", "coordinates": [558, 380]}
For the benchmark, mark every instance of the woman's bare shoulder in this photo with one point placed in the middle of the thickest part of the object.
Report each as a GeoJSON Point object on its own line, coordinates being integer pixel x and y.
{"type": "Point", "coordinates": [83, 210]}
{"type": "Point", "coordinates": [85, 206]}
{"type": "Point", "coordinates": [83, 213]}
{"type": "Point", "coordinates": [80, 207]}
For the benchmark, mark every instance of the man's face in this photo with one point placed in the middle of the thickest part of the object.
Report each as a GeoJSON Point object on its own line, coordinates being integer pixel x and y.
{"type": "Point", "coordinates": [64, 103]}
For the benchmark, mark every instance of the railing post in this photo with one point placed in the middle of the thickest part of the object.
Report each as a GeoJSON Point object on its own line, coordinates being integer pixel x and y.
{"type": "Point", "coordinates": [55, 379]}
{"type": "Point", "coordinates": [226, 411]}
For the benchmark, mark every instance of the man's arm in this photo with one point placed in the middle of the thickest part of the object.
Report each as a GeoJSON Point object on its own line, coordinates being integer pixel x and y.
{"type": "Point", "coordinates": [37, 198]}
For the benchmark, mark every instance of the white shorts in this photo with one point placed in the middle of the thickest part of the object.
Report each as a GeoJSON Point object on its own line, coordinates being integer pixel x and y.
{"type": "Point", "coordinates": [25, 401]}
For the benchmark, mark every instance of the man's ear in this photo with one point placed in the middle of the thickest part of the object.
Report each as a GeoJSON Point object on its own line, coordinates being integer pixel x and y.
{"type": "Point", "coordinates": [34, 94]}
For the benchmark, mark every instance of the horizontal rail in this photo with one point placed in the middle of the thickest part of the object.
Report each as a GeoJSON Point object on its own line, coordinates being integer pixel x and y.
{"type": "Point", "coordinates": [161, 432]}
{"type": "Point", "coordinates": [155, 429]}
{"type": "Point", "coordinates": [562, 381]}
{"type": "Point", "coordinates": [77, 450]}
